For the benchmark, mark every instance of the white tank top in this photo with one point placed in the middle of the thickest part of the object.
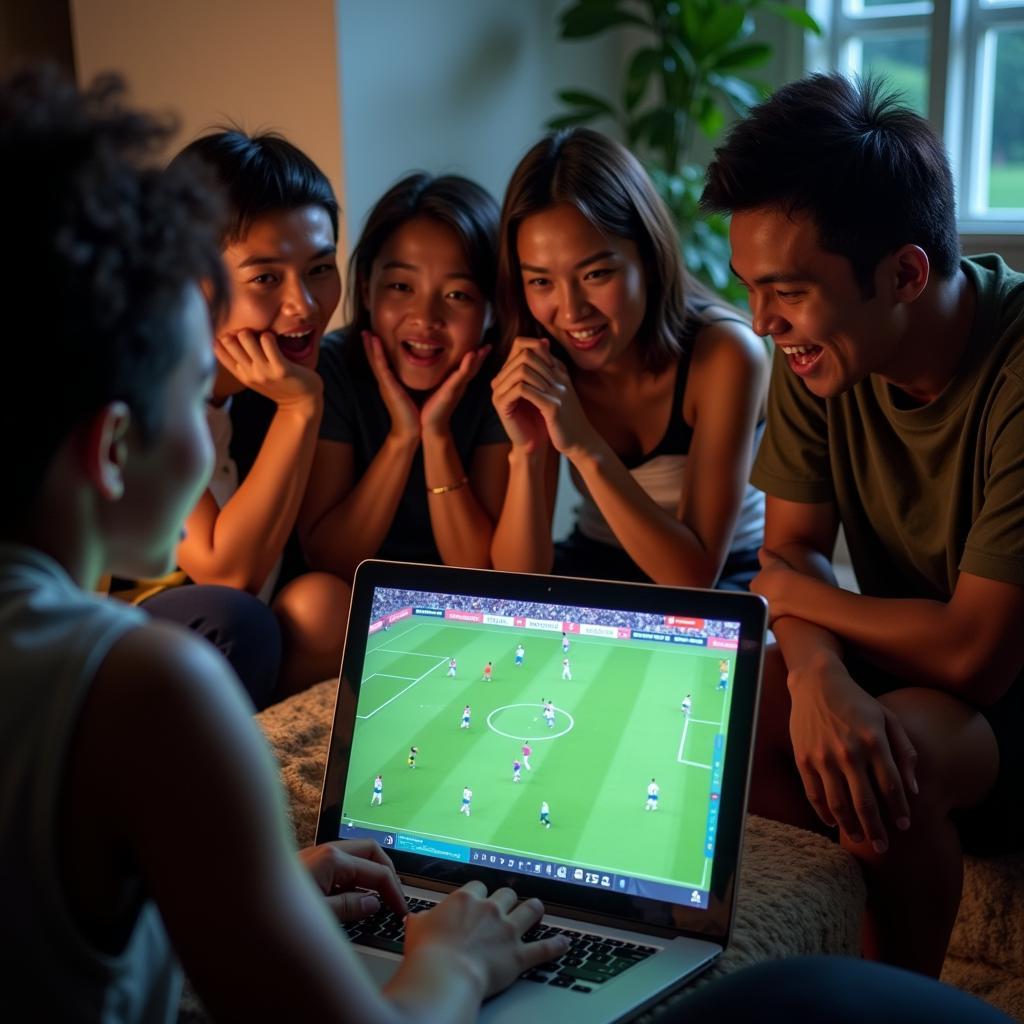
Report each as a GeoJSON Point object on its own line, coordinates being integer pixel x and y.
{"type": "Point", "coordinates": [53, 639]}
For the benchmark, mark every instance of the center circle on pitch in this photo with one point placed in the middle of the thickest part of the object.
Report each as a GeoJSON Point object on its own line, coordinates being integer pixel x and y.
{"type": "Point", "coordinates": [528, 713]}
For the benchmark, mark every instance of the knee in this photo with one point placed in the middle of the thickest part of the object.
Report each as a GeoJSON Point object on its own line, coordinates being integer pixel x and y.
{"type": "Point", "coordinates": [315, 605]}
{"type": "Point", "coordinates": [957, 755]}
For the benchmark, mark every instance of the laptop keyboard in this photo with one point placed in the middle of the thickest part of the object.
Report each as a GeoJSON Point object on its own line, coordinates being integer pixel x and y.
{"type": "Point", "coordinates": [590, 961]}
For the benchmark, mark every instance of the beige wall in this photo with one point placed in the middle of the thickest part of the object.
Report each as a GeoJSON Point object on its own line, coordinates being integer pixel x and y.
{"type": "Point", "coordinates": [258, 64]}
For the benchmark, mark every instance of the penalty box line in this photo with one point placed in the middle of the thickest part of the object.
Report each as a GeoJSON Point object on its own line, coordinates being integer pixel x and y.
{"type": "Point", "coordinates": [682, 743]}
{"type": "Point", "coordinates": [418, 679]}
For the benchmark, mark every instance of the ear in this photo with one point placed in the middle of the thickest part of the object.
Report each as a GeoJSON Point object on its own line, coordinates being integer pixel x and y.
{"type": "Point", "coordinates": [912, 272]}
{"type": "Point", "coordinates": [106, 449]}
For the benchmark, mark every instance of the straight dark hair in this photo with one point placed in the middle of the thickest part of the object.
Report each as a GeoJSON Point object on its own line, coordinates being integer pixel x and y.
{"type": "Point", "coordinates": [458, 203]}
{"type": "Point", "coordinates": [868, 171]}
{"type": "Point", "coordinates": [608, 185]}
{"type": "Point", "coordinates": [106, 246]}
{"type": "Point", "coordinates": [259, 174]}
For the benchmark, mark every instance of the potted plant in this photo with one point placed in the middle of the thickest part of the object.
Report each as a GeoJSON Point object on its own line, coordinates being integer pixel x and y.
{"type": "Point", "coordinates": [687, 76]}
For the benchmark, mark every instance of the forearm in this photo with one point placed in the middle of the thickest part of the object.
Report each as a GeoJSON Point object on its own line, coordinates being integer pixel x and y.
{"type": "Point", "coordinates": [522, 536]}
{"type": "Point", "coordinates": [663, 547]}
{"type": "Point", "coordinates": [462, 529]}
{"type": "Point", "coordinates": [355, 528]}
{"type": "Point", "coordinates": [919, 640]}
{"type": "Point", "coordinates": [246, 538]}
{"type": "Point", "coordinates": [803, 643]}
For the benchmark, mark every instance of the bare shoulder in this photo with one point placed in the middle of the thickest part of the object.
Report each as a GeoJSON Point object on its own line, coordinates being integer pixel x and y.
{"type": "Point", "coordinates": [730, 345]}
{"type": "Point", "coordinates": [163, 691]}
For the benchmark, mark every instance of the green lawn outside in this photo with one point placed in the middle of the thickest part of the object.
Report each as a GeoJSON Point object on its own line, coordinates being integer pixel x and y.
{"type": "Point", "coordinates": [618, 724]}
{"type": "Point", "coordinates": [1006, 187]}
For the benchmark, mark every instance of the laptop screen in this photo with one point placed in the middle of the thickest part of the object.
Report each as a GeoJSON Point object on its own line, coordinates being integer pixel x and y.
{"type": "Point", "coordinates": [578, 745]}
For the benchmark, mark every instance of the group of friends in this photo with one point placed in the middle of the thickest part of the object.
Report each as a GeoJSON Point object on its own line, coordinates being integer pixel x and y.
{"type": "Point", "coordinates": [154, 307]}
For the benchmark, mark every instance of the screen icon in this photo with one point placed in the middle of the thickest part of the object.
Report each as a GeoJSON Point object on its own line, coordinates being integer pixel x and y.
{"type": "Point", "coordinates": [578, 874]}
{"type": "Point", "coordinates": [561, 871]}
{"type": "Point", "coordinates": [695, 897]}
{"type": "Point", "coordinates": [537, 868]}
{"type": "Point", "coordinates": [389, 839]}
{"type": "Point", "coordinates": [606, 881]}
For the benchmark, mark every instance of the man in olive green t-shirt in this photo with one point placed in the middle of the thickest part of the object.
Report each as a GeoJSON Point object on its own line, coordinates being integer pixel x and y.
{"type": "Point", "coordinates": [896, 409]}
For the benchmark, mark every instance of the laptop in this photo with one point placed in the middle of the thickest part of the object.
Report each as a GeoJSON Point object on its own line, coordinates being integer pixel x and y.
{"type": "Point", "coordinates": [582, 741]}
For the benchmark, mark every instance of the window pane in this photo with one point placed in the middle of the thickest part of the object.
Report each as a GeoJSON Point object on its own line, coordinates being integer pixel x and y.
{"type": "Point", "coordinates": [903, 60]}
{"type": "Point", "coordinates": [1006, 166]}
{"type": "Point", "coordinates": [899, 7]}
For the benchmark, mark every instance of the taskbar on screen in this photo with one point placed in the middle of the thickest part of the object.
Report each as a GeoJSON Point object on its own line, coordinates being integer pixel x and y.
{"type": "Point", "coordinates": [501, 860]}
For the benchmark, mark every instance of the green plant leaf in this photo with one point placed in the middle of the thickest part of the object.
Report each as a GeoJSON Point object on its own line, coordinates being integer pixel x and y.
{"type": "Point", "coordinates": [656, 125]}
{"type": "Point", "coordinates": [568, 120]}
{"type": "Point", "coordinates": [711, 119]}
{"type": "Point", "coordinates": [741, 95]}
{"type": "Point", "coordinates": [724, 24]}
{"type": "Point", "coordinates": [644, 63]}
{"type": "Point", "coordinates": [747, 56]}
{"type": "Point", "coordinates": [796, 15]}
{"type": "Point", "coordinates": [577, 98]}
{"type": "Point", "coordinates": [588, 19]}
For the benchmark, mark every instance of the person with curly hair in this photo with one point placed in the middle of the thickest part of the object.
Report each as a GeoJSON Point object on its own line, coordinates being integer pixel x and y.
{"type": "Point", "coordinates": [126, 745]}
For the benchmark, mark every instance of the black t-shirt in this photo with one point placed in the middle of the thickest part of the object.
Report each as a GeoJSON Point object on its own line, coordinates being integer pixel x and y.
{"type": "Point", "coordinates": [355, 414]}
{"type": "Point", "coordinates": [251, 415]}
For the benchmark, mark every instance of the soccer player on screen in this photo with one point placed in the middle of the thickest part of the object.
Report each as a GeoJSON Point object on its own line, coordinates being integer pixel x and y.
{"type": "Point", "coordinates": [687, 705]}
{"type": "Point", "coordinates": [566, 671]}
{"type": "Point", "coordinates": [451, 668]}
{"type": "Point", "coordinates": [411, 761]}
{"type": "Point", "coordinates": [545, 814]}
{"type": "Point", "coordinates": [723, 674]}
{"type": "Point", "coordinates": [467, 799]}
{"type": "Point", "coordinates": [565, 644]}
{"type": "Point", "coordinates": [378, 791]}
{"type": "Point", "coordinates": [527, 751]}
{"type": "Point", "coordinates": [516, 769]}
{"type": "Point", "coordinates": [465, 717]}
{"type": "Point", "coordinates": [652, 796]}
{"type": "Point", "coordinates": [520, 652]}
{"type": "Point", "coordinates": [487, 672]}
{"type": "Point", "coordinates": [549, 714]}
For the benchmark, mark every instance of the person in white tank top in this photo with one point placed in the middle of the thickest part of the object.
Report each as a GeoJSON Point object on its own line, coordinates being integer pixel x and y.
{"type": "Point", "coordinates": [648, 385]}
{"type": "Point", "coordinates": [139, 806]}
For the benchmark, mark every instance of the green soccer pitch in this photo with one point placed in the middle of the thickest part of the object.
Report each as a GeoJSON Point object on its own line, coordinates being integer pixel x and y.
{"type": "Point", "coordinates": [618, 723]}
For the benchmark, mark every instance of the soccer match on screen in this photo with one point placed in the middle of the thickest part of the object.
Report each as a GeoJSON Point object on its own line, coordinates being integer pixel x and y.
{"type": "Point", "coordinates": [565, 734]}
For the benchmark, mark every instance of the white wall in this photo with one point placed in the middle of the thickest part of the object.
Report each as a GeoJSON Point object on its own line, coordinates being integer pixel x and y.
{"type": "Point", "coordinates": [459, 86]}
{"type": "Point", "coordinates": [258, 63]}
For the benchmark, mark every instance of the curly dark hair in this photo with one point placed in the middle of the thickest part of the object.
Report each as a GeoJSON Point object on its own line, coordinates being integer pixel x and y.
{"type": "Point", "coordinates": [100, 247]}
{"type": "Point", "coordinates": [869, 172]}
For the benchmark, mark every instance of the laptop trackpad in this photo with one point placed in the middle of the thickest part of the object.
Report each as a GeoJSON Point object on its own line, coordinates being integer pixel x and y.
{"type": "Point", "coordinates": [381, 966]}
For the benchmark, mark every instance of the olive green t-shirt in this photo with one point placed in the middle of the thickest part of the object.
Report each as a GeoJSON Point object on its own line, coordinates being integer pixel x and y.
{"type": "Point", "coordinates": [923, 492]}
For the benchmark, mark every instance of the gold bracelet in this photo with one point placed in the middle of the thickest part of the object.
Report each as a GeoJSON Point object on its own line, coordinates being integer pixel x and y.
{"type": "Point", "coordinates": [448, 487]}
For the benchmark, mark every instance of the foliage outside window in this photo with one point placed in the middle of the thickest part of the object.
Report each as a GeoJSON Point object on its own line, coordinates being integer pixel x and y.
{"type": "Point", "coordinates": [960, 63]}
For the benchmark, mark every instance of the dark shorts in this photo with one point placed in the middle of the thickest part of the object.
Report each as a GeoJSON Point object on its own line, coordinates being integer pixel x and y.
{"type": "Point", "coordinates": [996, 825]}
{"type": "Point", "coordinates": [578, 555]}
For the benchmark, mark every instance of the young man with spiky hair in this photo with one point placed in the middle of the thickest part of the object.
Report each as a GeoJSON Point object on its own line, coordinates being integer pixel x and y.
{"type": "Point", "coordinates": [126, 745]}
{"type": "Point", "coordinates": [896, 410]}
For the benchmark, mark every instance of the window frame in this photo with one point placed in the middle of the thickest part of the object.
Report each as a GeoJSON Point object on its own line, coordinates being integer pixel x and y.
{"type": "Point", "coordinates": [959, 104]}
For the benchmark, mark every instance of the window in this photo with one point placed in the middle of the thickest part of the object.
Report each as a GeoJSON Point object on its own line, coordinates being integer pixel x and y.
{"type": "Point", "coordinates": [960, 63]}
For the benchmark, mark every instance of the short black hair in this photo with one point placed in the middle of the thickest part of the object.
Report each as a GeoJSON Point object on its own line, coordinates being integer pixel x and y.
{"type": "Point", "coordinates": [100, 247]}
{"type": "Point", "coordinates": [259, 174]}
{"type": "Point", "coordinates": [868, 171]}
{"type": "Point", "coordinates": [458, 203]}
